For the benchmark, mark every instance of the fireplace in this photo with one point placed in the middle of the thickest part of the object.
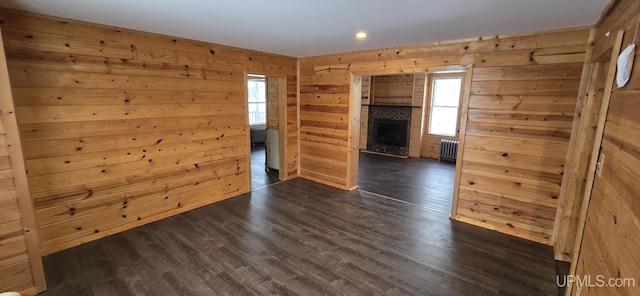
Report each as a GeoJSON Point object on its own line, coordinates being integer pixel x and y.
{"type": "Point", "coordinates": [388, 129]}
{"type": "Point", "coordinates": [390, 132]}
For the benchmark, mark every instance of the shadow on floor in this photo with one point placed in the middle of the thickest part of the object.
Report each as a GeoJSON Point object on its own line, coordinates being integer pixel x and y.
{"type": "Point", "coordinates": [422, 181]}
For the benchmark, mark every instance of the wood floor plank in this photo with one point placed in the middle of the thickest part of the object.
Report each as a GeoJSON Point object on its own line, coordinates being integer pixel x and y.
{"type": "Point", "coordinates": [302, 238]}
{"type": "Point", "coordinates": [422, 181]}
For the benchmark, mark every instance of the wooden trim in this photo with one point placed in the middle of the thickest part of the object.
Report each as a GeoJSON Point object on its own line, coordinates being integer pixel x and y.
{"type": "Point", "coordinates": [463, 40]}
{"type": "Point", "coordinates": [466, 94]}
{"type": "Point", "coordinates": [143, 221]}
{"type": "Point", "coordinates": [374, 69]}
{"type": "Point", "coordinates": [354, 131]}
{"type": "Point", "coordinates": [324, 182]}
{"type": "Point", "coordinates": [607, 10]}
{"type": "Point", "coordinates": [541, 32]}
{"type": "Point", "coordinates": [298, 115]}
{"type": "Point", "coordinates": [384, 154]}
{"type": "Point", "coordinates": [248, 128]}
{"type": "Point", "coordinates": [417, 104]}
{"type": "Point", "coordinates": [423, 114]}
{"type": "Point", "coordinates": [562, 222]}
{"type": "Point", "coordinates": [282, 127]}
{"type": "Point", "coordinates": [14, 145]}
{"type": "Point", "coordinates": [413, 92]}
{"type": "Point", "coordinates": [429, 101]}
{"type": "Point", "coordinates": [503, 229]}
{"type": "Point", "coordinates": [617, 46]}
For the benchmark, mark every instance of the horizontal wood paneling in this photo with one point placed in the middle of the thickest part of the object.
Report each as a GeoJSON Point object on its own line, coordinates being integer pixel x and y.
{"type": "Point", "coordinates": [610, 241]}
{"type": "Point", "coordinates": [121, 128]}
{"type": "Point", "coordinates": [273, 91]}
{"type": "Point", "coordinates": [512, 124]}
{"type": "Point", "coordinates": [523, 95]}
{"type": "Point", "coordinates": [392, 90]}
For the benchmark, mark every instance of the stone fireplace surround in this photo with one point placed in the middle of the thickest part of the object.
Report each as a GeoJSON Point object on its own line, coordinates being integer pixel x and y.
{"type": "Point", "coordinates": [388, 112]}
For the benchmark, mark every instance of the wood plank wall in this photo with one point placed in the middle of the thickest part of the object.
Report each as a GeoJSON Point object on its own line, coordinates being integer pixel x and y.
{"type": "Point", "coordinates": [121, 128]}
{"type": "Point", "coordinates": [395, 90]}
{"type": "Point", "coordinates": [517, 134]}
{"type": "Point", "coordinates": [417, 114]}
{"type": "Point", "coordinates": [611, 242]}
{"type": "Point", "coordinates": [523, 95]}
{"type": "Point", "coordinates": [364, 112]}
{"type": "Point", "coordinates": [273, 92]}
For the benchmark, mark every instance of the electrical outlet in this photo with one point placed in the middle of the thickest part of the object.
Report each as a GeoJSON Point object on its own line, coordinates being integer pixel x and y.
{"type": "Point", "coordinates": [600, 164]}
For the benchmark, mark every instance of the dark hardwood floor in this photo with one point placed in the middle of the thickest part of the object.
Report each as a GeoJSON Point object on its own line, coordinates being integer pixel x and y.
{"type": "Point", "coordinates": [259, 176]}
{"type": "Point", "coordinates": [422, 181]}
{"type": "Point", "coordinates": [302, 238]}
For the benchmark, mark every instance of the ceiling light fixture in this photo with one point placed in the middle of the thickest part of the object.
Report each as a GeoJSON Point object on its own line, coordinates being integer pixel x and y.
{"type": "Point", "coordinates": [361, 35]}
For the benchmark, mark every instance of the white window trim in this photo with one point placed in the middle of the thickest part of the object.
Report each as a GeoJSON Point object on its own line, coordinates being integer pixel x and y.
{"type": "Point", "coordinates": [431, 105]}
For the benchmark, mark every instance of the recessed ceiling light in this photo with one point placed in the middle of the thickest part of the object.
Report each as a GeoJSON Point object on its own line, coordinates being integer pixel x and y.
{"type": "Point", "coordinates": [361, 35]}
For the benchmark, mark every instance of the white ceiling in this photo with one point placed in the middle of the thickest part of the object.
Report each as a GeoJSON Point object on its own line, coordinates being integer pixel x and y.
{"type": "Point", "coordinates": [301, 28]}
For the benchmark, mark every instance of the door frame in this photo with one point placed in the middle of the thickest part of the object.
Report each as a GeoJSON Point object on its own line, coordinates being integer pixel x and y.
{"type": "Point", "coordinates": [355, 106]}
{"type": "Point", "coordinates": [610, 54]}
{"type": "Point", "coordinates": [282, 124]}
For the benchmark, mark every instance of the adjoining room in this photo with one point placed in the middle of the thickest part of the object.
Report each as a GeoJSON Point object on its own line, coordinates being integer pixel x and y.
{"type": "Point", "coordinates": [409, 126]}
{"type": "Point", "coordinates": [264, 133]}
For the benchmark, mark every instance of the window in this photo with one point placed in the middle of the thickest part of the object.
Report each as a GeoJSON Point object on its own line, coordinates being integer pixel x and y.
{"type": "Point", "coordinates": [257, 96]}
{"type": "Point", "coordinates": [445, 98]}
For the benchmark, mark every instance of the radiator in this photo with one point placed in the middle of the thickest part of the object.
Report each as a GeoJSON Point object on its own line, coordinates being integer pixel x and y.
{"type": "Point", "coordinates": [273, 149]}
{"type": "Point", "coordinates": [258, 135]}
{"type": "Point", "coordinates": [448, 149]}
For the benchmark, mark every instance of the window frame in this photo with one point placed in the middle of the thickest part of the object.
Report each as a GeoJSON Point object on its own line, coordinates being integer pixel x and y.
{"type": "Point", "coordinates": [432, 79]}
{"type": "Point", "coordinates": [262, 79]}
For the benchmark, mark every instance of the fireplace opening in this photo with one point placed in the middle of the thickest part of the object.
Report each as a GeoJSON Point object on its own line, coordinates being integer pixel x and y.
{"type": "Point", "coordinates": [390, 132]}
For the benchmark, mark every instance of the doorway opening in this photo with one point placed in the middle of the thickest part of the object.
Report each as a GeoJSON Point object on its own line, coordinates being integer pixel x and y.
{"type": "Point", "coordinates": [404, 119]}
{"type": "Point", "coordinates": [265, 96]}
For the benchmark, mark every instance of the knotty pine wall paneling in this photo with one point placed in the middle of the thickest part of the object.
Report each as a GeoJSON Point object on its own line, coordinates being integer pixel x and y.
{"type": "Point", "coordinates": [417, 114]}
{"type": "Point", "coordinates": [394, 90]}
{"type": "Point", "coordinates": [364, 112]}
{"type": "Point", "coordinates": [120, 128]}
{"type": "Point", "coordinates": [277, 117]}
{"type": "Point", "coordinates": [273, 92]}
{"type": "Point", "coordinates": [610, 240]}
{"type": "Point", "coordinates": [523, 94]}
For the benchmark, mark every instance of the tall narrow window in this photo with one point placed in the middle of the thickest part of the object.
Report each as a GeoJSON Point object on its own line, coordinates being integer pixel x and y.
{"type": "Point", "coordinates": [445, 99]}
{"type": "Point", "coordinates": [257, 96]}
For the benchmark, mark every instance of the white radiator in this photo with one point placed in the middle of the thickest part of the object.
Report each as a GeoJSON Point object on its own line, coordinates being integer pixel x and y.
{"type": "Point", "coordinates": [273, 149]}
{"type": "Point", "coordinates": [448, 149]}
{"type": "Point", "coordinates": [257, 135]}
